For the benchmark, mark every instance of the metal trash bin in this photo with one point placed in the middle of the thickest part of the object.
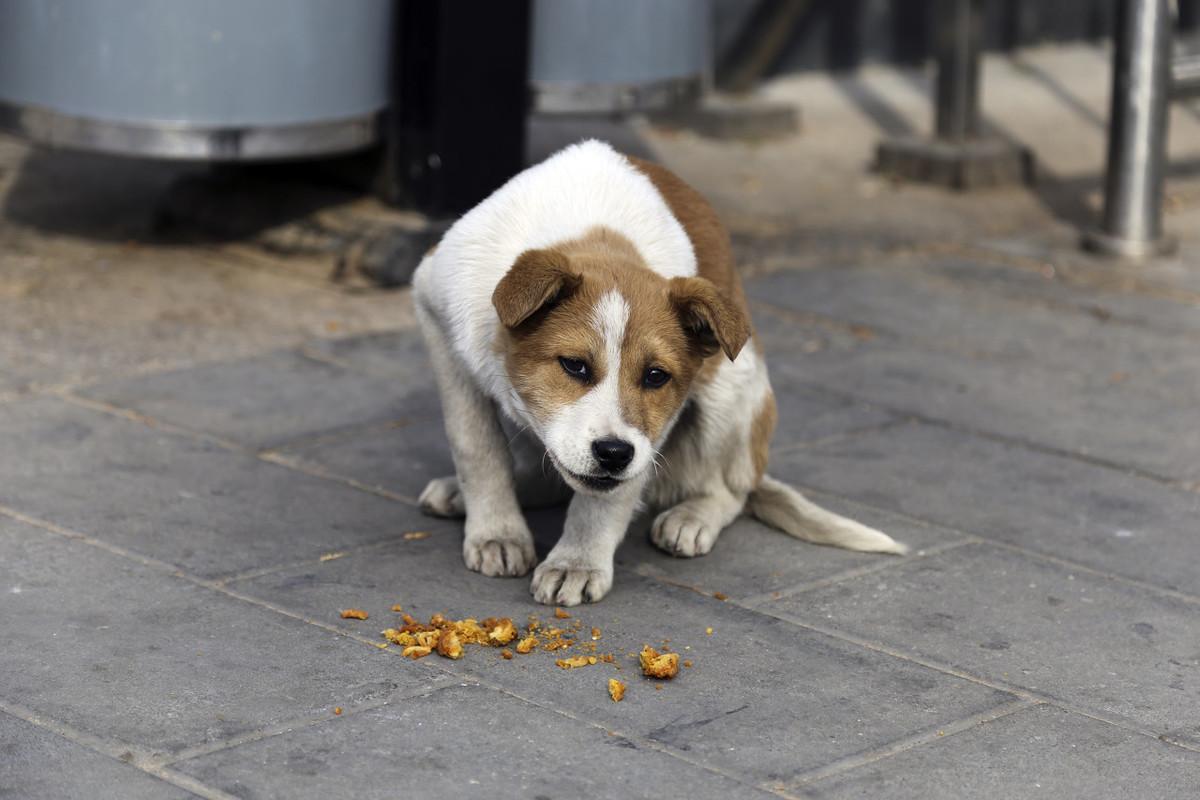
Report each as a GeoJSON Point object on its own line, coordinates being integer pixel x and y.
{"type": "Point", "coordinates": [221, 80]}
{"type": "Point", "coordinates": [619, 55]}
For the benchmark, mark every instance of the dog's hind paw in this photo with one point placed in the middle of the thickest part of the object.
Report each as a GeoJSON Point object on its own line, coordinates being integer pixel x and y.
{"type": "Point", "coordinates": [442, 498]}
{"type": "Point", "coordinates": [681, 532]}
{"type": "Point", "coordinates": [562, 585]}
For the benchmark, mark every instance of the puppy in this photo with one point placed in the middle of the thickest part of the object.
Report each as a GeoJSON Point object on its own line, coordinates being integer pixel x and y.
{"type": "Point", "coordinates": [592, 301]}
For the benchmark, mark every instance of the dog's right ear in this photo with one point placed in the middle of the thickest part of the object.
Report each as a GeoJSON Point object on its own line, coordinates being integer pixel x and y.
{"type": "Point", "coordinates": [536, 278]}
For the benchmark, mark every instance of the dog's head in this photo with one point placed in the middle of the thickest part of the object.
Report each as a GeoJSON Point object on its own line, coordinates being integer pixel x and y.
{"type": "Point", "coordinates": [603, 352]}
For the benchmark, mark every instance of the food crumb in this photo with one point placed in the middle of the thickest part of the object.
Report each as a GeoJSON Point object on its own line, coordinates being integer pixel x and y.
{"type": "Point", "coordinates": [658, 687]}
{"type": "Point", "coordinates": [561, 613]}
{"type": "Point", "coordinates": [573, 662]}
{"type": "Point", "coordinates": [354, 613]}
{"type": "Point", "coordinates": [382, 645]}
{"type": "Point", "coordinates": [411, 535]}
{"type": "Point", "coordinates": [506, 655]}
{"type": "Point", "coordinates": [526, 645]}
{"type": "Point", "coordinates": [330, 556]}
{"type": "Point", "coordinates": [337, 712]}
{"type": "Point", "coordinates": [449, 646]}
{"type": "Point", "coordinates": [397, 608]}
{"type": "Point", "coordinates": [500, 631]}
{"type": "Point", "coordinates": [616, 690]}
{"type": "Point", "coordinates": [708, 631]}
{"type": "Point", "coordinates": [721, 596]}
{"type": "Point", "coordinates": [595, 634]}
{"type": "Point", "coordinates": [416, 651]}
{"type": "Point", "coordinates": [658, 665]}
{"type": "Point", "coordinates": [688, 663]}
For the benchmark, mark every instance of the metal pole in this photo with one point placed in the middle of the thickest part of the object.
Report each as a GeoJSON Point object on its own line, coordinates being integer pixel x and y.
{"type": "Point", "coordinates": [1137, 138]}
{"type": "Point", "coordinates": [959, 33]}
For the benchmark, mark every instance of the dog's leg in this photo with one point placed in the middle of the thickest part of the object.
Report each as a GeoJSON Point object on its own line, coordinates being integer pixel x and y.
{"type": "Point", "coordinates": [691, 528]}
{"type": "Point", "coordinates": [497, 540]}
{"type": "Point", "coordinates": [580, 567]}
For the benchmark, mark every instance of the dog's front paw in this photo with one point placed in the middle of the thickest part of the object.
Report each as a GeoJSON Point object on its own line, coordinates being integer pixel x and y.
{"type": "Point", "coordinates": [565, 584]}
{"type": "Point", "coordinates": [443, 498]}
{"type": "Point", "coordinates": [499, 549]}
{"type": "Point", "coordinates": [680, 532]}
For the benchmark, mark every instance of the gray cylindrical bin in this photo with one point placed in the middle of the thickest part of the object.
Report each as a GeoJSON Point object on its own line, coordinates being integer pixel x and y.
{"type": "Point", "coordinates": [619, 55]}
{"type": "Point", "coordinates": [209, 79]}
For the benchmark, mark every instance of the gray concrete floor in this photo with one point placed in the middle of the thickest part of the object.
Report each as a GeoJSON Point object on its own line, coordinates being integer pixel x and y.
{"type": "Point", "coordinates": [207, 450]}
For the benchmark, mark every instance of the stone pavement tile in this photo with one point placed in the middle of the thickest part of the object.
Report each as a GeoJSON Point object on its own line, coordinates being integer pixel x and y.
{"type": "Point", "coordinates": [924, 304]}
{"type": "Point", "coordinates": [36, 763]}
{"type": "Point", "coordinates": [807, 414]}
{"type": "Point", "coordinates": [1060, 378]}
{"type": "Point", "coordinates": [175, 498]}
{"type": "Point", "coordinates": [396, 353]}
{"type": "Point", "coordinates": [127, 653]}
{"type": "Point", "coordinates": [1107, 648]}
{"type": "Point", "coordinates": [1116, 302]}
{"type": "Point", "coordinates": [751, 558]}
{"type": "Point", "coordinates": [401, 455]}
{"type": "Point", "coordinates": [1041, 751]}
{"type": "Point", "coordinates": [260, 402]}
{"type": "Point", "coordinates": [1086, 415]}
{"type": "Point", "coordinates": [764, 699]}
{"type": "Point", "coordinates": [462, 741]}
{"type": "Point", "coordinates": [1084, 513]}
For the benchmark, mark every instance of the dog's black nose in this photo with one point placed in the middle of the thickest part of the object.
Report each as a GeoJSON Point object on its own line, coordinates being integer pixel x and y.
{"type": "Point", "coordinates": [614, 455]}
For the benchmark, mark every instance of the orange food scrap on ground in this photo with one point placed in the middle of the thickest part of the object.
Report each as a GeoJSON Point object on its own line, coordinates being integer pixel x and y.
{"type": "Point", "coordinates": [416, 535]}
{"type": "Point", "coordinates": [658, 665]}
{"type": "Point", "coordinates": [353, 613]}
{"type": "Point", "coordinates": [506, 655]}
{"type": "Point", "coordinates": [416, 651]}
{"type": "Point", "coordinates": [337, 712]}
{"type": "Point", "coordinates": [708, 631]}
{"type": "Point", "coordinates": [616, 690]}
{"type": "Point", "coordinates": [428, 638]}
{"type": "Point", "coordinates": [607, 658]}
{"type": "Point", "coordinates": [526, 645]}
{"type": "Point", "coordinates": [397, 608]}
{"type": "Point", "coordinates": [595, 634]}
{"type": "Point", "coordinates": [688, 663]}
{"type": "Point", "coordinates": [449, 646]}
{"type": "Point", "coordinates": [572, 663]}
{"type": "Point", "coordinates": [500, 631]}
{"type": "Point", "coordinates": [402, 638]}
{"type": "Point", "coordinates": [561, 613]}
{"type": "Point", "coordinates": [720, 596]}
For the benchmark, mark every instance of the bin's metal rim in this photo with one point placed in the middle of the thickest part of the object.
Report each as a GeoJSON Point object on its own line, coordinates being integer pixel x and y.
{"type": "Point", "coordinates": [182, 140]}
{"type": "Point", "coordinates": [567, 97]}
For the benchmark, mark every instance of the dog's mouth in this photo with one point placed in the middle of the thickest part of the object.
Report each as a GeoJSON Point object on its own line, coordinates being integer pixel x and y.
{"type": "Point", "coordinates": [597, 483]}
{"type": "Point", "coordinates": [601, 483]}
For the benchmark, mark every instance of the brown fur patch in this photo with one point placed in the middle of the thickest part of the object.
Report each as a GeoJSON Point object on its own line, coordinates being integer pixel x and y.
{"type": "Point", "coordinates": [761, 428]}
{"type": "Point", "coordinates": [710, 240]}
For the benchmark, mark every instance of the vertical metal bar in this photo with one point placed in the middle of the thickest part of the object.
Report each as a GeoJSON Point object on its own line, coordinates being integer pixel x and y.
{"type": "Point", "coordinates": [958, 39]}
{"type": "Point", "coordinates": [1137, 142]}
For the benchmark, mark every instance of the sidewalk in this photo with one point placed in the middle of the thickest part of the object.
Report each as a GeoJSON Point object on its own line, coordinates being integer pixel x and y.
{"type": "Point", "coordinates": [207, 451]}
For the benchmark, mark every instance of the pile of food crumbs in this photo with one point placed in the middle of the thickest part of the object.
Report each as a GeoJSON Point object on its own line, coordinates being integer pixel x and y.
{"type": "Point", "coordinates": [448, 638]}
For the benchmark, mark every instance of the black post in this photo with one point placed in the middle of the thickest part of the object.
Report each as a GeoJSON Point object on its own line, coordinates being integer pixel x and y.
{"type": "Point", "coordinates": [456, 127]}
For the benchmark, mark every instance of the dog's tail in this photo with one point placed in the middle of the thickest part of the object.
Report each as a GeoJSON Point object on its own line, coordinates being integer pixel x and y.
{"type": "Point", "coordinates": [782, 507]}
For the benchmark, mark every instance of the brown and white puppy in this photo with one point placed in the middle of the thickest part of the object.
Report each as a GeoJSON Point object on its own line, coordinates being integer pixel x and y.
{"type": "Point", "coordinates": [592, 301]}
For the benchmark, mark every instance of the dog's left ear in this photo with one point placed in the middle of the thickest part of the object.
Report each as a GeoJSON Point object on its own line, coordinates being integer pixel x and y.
{"type": "Point", "coordinates": [536, 278]}
{"type": "Point", "coordinates": [708, 317]}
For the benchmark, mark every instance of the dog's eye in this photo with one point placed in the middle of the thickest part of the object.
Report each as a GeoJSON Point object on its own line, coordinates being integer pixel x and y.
{"type": "Point", "coordinates": [655, 378]}
{"type": "Point", "coordinates": [575, 367]}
